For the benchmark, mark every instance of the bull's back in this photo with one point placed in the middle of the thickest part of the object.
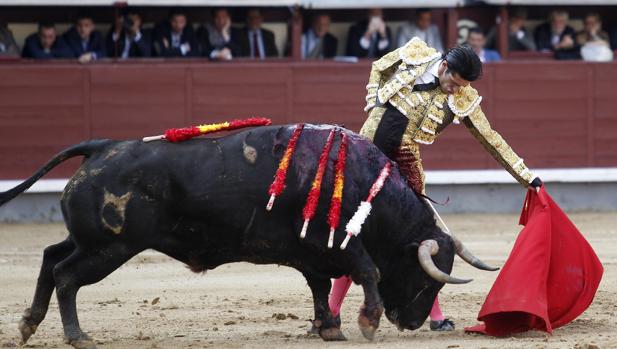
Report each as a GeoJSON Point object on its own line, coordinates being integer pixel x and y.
{"type": "Point", "coordinates": [218, 185]}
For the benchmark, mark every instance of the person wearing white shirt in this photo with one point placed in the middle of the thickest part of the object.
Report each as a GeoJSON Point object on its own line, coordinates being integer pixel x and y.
{"type": "Point", "coordinates": [413, 94]}
{"type": "Point", "coordinates": [175, 37]}
{"type": "Point", "coordinates": [422, 28]}
{"type": "Point", "coordinates": [127, 39]}
{"type": "Point", "coordinates": [317, 42]}
{"type": "Point", "coordinates": [370, 38]}
{"type": "Point", "coordinates": [218, 39]}
{"type": "Point", "coordinates": [255, 41]}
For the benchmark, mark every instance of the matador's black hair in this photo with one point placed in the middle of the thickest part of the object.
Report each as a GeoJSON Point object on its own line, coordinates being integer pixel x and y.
{"type": "Point", "coordinates": [464, 61]}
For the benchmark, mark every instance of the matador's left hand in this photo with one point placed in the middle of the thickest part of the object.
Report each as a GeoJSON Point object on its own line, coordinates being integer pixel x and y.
{"type": "Point", "coordinates": [536, 184]}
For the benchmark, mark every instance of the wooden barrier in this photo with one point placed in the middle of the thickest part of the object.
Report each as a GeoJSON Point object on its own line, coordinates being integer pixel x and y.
{"type": "Point", "coordinates": [554, 114]}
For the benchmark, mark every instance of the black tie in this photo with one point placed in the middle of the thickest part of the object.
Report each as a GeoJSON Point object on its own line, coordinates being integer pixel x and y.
{"type": "Point", "coordinates": [426, 87]}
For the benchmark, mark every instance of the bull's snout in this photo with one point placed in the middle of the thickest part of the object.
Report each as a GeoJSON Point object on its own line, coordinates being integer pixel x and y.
{"type": "Point", "coordinates": [414, 325]}
{"type": "Point", "coordinates": [393, 316]}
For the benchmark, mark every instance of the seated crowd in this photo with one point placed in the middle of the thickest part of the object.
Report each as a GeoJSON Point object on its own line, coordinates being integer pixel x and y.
{"type": "Point", "coordinates": [219, 40]}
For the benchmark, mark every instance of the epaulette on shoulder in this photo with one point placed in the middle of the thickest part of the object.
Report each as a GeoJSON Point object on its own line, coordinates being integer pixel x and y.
{"type": "Point", "coordinates": [417, 52]}
{"type": "Point", "coordinates": [387, 61]}
{"type": "Point", "coordinates": [464, 101]}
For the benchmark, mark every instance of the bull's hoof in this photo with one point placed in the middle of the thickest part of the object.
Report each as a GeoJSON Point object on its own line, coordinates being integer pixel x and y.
{"type": "Point", "coordinates": [368, 326]}
{"type": "Point", "coordinates": [331, 334]}
{"type": "Point", "coordinates": [83, 342]}
{"type": "Point", "coordinates": [26, 327]}
{"type": "Point", "coordinates": [368, 331]}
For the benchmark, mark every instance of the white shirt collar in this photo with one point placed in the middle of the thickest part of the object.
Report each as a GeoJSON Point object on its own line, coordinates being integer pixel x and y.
{"type": "Point", "coordinates": [434, 68]}
{"type": "Point", "coordinates": [429, 76]}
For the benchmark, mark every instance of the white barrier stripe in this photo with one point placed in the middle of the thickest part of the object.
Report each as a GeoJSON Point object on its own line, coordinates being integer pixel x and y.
{"type": "Point", "coordinates": [440, 177]}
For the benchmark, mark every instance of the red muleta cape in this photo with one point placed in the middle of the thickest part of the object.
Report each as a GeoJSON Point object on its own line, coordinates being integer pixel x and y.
{"type": "Point", "coordinates": [549, 279]}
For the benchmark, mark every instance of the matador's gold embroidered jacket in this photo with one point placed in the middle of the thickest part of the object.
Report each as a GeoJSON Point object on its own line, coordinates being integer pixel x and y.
{"type": "Point", "coordinates": [429, 112]}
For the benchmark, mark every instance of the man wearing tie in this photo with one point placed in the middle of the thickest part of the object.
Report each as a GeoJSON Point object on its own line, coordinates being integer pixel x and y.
{"type": "Point", "coordinates": [317, 42]}
{"type": "Point", "coordinates": [127, 39]}
{"type": "Point", "coordinates": [414, 93]}
{"type": "Point", "coordinates": [254, 41]}
{"type": "Point", "coordinates": [175, 37]}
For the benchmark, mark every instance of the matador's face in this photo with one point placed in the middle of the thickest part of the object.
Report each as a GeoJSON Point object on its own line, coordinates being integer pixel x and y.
{"type": "Point", "coordinates": [449, 81]}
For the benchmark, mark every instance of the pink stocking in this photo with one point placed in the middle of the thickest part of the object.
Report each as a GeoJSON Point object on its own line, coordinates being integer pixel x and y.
{"type": "Point", "coordinates": [337, 295]}
{"type": "Point", "coordinates": [436, 314]}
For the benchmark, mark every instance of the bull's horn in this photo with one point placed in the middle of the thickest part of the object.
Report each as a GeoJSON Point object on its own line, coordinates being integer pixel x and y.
{"type": "Point", "coordinates": [468, 257]}
{"type": "Point", "coordinates": [430, 248]}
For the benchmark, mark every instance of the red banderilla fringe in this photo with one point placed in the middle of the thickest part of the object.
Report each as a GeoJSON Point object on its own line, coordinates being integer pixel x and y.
{"type": "Point", "coordinates": [334, 213]}
{"type": "Point", "coordinates": [313, 197]}
{"type": "Point", "coordinates": [277, 186]}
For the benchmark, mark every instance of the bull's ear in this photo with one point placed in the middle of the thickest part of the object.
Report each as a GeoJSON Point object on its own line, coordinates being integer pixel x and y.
{"type": "Point", "coordinates": [412, 248]}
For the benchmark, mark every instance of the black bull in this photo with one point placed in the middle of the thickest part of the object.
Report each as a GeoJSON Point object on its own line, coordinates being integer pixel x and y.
{"type": "Point", "coordinates": [203, 201]}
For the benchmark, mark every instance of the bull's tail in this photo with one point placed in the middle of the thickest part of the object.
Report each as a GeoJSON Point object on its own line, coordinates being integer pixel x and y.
{"type": "Point", "coordinates": [82, 149]}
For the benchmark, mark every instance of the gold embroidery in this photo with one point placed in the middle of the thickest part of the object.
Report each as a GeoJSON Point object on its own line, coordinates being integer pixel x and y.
{"type": "Point", "coordinates": [429, 111]}
{"type": "Point", "coordinates": [481, 129]}
{"type": "Point", "coordinates": [464, 101]}
{"type": "Point", "coordinates": [417, 52]}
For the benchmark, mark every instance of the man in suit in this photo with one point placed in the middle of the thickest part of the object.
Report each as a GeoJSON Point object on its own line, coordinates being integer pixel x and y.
{"type": "Point", "coordinates": [370, 38]}
{"type": "Point", "coordinates": [46, 44]}
{"type": "Point", "coordinates": [557, 36]}
{"type": "Point", "coordinates": [518, 37]}
{"type": "Point", "coordinates": [477, 41]}
{"type": "Point", "coordinates": [254, 41]}
{"type": "Point", "coordinates": [317, 42]}
{"type": "Point", "coordinates": [219, 39]}
{"type": "Point", "coordinates": [423, 28]}
{"type": "Point", "coordinates": [84, 40]}
{"type": "Point", "coordinates": [127, 39]}
{"type": "Point", "coordinates": [175, 37]}
{"type": "Point", "coordinates": [8, 46]}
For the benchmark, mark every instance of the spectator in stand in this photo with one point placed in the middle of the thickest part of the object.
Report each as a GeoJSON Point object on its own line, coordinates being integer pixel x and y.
{"type": "Point", "coordinates": [219, 40]}
{"type": "Point", "coordinates": [556, 35]}
{"type": "Point", "coordinates": [423, 28]}
{"type": "Point", "coordinates": [593, 41]}
{"type": "Point", "coordinates": [477, 41]}
{"type": "Point", "coordinates": [127, 38]}
{"type": "Point", "coordinates": [317, 42]}
{"type": "Point", "coordinates": [518, 37]}
{"type": "Point", "coordinates": [254, 41]}
{"type": "Point", "coordinates": [84, 40]}
{"type": "Point", "coordinates": [592, 31]}
{"type": "Point", "coordinates": [370, 38]}
{"type": "Point", "coordinates": [8, 46]}
{"type": "Point", "coordinates": [175, 37]}
{"type": "Point", "coordinates": [46, 44]}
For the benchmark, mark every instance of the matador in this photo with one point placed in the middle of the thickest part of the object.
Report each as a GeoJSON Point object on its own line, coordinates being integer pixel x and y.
{"type": "Point", "coordinates": [413, 94]}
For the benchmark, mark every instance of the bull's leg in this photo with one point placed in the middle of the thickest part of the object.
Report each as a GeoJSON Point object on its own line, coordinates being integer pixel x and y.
{"type": "Point", "coordinates": [366, 274]}
{"type": "Point", "coordinates": [328, 329]}
{"type": "Point", "coordinates": [79, 269]}
{"type": "Point", "coordinates": [34, 315]}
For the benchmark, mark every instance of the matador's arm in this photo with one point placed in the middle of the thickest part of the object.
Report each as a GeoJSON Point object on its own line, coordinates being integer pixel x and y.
{"type": "Point", "coordinates": [480, 128]}
{"type": "Point", "coordinates": [466, 107]}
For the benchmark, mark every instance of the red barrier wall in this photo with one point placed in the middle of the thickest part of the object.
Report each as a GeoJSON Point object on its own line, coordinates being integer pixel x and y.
{"type": "Point", "coordinates": [554, 114]}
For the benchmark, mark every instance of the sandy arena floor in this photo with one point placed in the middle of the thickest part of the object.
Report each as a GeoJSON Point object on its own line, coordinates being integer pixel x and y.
{"type": "Point", "coordinates": [155, 302]}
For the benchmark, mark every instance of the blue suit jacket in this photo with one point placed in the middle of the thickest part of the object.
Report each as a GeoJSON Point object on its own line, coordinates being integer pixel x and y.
{"type": "Point", "coordinates": [95, 44]}
{"type": "Point", "coordinates": [33, 49]}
